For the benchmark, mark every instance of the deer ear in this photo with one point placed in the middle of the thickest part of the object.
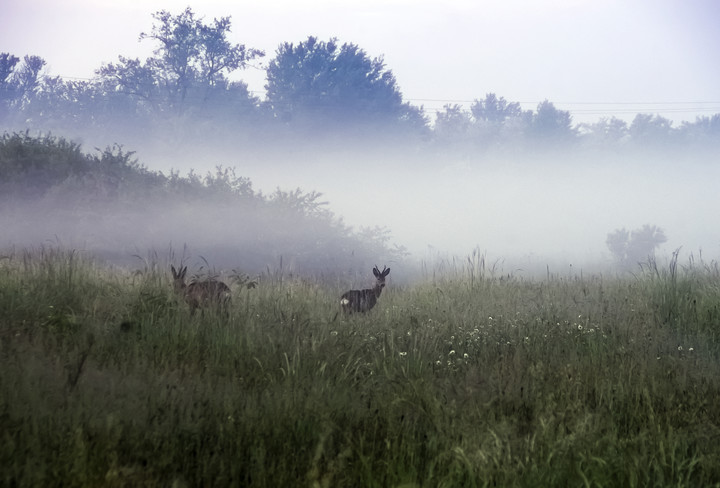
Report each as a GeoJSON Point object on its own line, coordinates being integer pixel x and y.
{"type": "Point", "coordinates": [376, 272]}
{"type": "Point", "coordinates": [386, 272]}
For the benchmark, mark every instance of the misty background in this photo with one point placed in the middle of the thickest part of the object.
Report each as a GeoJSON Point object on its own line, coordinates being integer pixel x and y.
{"type": "Point", "coordinates": [331, 169]}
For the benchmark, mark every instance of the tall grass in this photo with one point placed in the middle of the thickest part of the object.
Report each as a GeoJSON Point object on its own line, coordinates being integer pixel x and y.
{"type": "Point", "coordinates": [463, 379]}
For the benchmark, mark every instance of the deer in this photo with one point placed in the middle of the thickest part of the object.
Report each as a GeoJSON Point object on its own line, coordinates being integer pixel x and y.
{"type": "Point", "coordinates": [200, 293]}
{"type": "Point", "coordinates": [364, 300]}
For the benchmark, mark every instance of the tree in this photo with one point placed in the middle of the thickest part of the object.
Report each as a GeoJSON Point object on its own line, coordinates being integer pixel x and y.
{"type": "Point", "coordinates": [190, 65]}
{"type": "Point", "coordinates": [454, 125]}
{"type": "Point", "coordinates": [494, 110]}
{"type": "Point", "coordinates": [324, 85]}
{"type": "Point", "coordinates": [498, 121]}
{"type": "Point", "coordinates": [19, 82]}
{"type": "Point", "coordinates": [552, 126]}
{"type": "Point", "coordinates": [705, 130]}
{"type": "Point", "coordinates": [650, 129]}
{"type": "Point", "coordinates": [606, 132]}
{"type": "Point", "coordinates": [630, 248]}
{"type": "Point", "coordinates": [8, 87]}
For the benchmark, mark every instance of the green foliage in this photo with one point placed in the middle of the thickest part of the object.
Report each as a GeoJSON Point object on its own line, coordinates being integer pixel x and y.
{"type": "Point", "coordinates": [462, 379]}
{"type": "Point", "coordinates": [31, 165]}
{"type": "Point", "coordinates": [119, 202]}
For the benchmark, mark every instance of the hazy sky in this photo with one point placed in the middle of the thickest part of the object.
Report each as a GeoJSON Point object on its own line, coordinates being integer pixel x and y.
{"type": "Point", "coordinates": [595, 58]}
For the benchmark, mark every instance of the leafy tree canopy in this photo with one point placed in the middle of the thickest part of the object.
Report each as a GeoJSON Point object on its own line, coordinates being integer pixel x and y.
{"type": "Point", "coordinates": [552, 125]}
{"type": "Point", "coordinates": [324, 83]}
{"type": "Point", "coordinates": [494, 109]}
{"type": "Point", "coordinates": [192, 60]}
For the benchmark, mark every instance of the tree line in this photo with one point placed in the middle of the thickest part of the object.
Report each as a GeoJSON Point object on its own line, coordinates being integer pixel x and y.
{"type": "Point", "coordinates": [315, 89]}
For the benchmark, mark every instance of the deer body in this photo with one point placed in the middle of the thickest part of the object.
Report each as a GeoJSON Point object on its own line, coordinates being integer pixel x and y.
{"type": "Point", "coordinates": [200, 294]}
{"type": "Point", "coordinates": [364, 300]}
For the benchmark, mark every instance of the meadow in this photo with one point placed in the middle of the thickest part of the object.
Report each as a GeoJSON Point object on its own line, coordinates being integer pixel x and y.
{"type": "Point", "coordinates": [466, 377]}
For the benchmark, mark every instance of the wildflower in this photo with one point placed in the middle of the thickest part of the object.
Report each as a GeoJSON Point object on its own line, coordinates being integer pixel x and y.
{"type": "Point", "coordinates": [679, 348]}
{"type": "Point", "coordinates": [691, 349]}
{"type": "Point", "coordinates": [333, 333]}
{"type": "Point", "coordinates": [452, 353]}
{"type": "Point", "coordinates": [438, 363]}
{"type": "Point", "coordinates": [465, 356]}
{"type": "Point", "coordinates": [403, 354]}
{"type": "Point", "coordinates": [579, 326]}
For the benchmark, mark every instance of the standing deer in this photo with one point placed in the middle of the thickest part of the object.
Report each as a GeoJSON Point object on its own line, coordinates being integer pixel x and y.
{"type": "Point", "coordinates": [364, 300]}
{"type": "Point", "coordinates": [200, 293]}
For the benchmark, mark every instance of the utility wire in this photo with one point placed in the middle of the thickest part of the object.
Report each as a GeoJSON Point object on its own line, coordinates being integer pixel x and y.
{"type": "Point", "coordinates": [593, 107]}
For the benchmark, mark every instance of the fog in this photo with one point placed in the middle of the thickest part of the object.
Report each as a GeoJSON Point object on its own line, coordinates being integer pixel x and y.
{"type": "Point", "coordinates": [526, 186]}
{"type": "Point", "coordinates": [524, 213]}
{"type": "Point", "coordinates": [521, 210]}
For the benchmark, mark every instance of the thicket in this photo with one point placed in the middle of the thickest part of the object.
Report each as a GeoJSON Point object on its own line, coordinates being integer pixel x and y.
{"type": "Point", "coordinates": [463, 379]}
{"type": "Point", "coordinates": [110, 203]}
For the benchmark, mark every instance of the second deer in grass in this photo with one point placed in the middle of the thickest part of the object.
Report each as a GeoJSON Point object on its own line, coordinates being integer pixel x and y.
{"type": "Point", "coordinates": [200, 293]}
{"type": "Point", "coordinates": [364, 300]}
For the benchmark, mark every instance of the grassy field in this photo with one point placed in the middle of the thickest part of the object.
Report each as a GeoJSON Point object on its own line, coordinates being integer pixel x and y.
{"type": "Point", "coordinates": [462, 379]}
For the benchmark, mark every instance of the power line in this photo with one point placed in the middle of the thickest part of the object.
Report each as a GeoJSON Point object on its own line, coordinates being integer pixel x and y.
{"type": "Point", "coordinates": [585, 107]}
{"type": "Point", "coordinates": [451, 100]}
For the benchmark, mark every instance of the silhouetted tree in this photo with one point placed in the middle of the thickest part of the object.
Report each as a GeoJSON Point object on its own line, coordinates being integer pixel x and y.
{"type": "Point", "coordinates": [453, 125]}
{"type": "Point", "coordinates": [630, 248]}
{"type": "Point", "coordinates": [705, 130]}
{"type": "Point", "coordinates": [494, 110]}
{"type": "Point", "coordinates": [20, 83]}
{"type": "Point", "coordinates": [606, 132]}
{"type": "Point", "coordinates": [498, 121]}
{"type": "Point", "coordinates": [650, 129]}
{"type": "Point", "coordinates": [551, 126]}
{"type": "Point", "coordinates": [189, 67]}
{"type": "Point", "coordinates": [8, 87]}
{"type": "Point", "coordinates": [316, 84]}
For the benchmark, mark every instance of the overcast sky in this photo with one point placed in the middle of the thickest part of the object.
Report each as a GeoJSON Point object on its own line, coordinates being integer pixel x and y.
{"type": "Point", "coordinates": [595, 58]}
